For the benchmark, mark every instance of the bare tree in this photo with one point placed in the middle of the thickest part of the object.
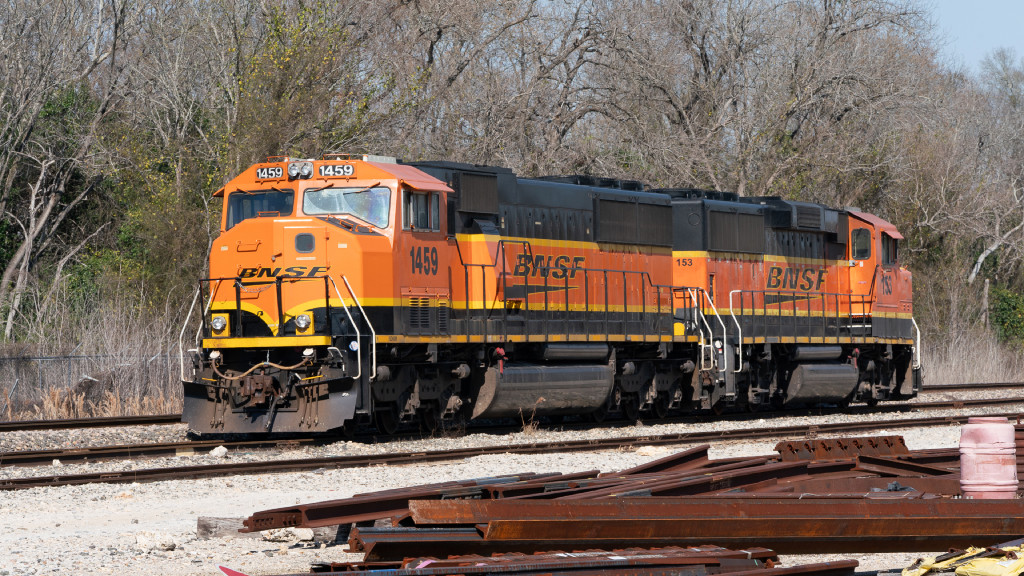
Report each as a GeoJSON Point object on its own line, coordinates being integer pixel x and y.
{"type": "Point", "coordinates": [60, 77]}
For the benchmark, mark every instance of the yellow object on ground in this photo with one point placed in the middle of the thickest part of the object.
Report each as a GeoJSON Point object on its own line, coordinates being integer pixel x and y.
{"type": "Point", "coordinates": [1008, 565]}
{"type": "Point", "coordinates": [923, 566]}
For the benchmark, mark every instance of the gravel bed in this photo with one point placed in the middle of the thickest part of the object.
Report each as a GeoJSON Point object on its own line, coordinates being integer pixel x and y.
{"type": "Point", "coordinates": [121, 528]}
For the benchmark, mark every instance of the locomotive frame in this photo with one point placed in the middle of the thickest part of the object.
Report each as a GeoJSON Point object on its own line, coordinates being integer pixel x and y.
{"type": "Point", "coordinates": [353, 290]}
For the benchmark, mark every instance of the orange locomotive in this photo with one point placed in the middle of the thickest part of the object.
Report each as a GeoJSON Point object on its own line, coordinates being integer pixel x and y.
{"type": "Point", "coordinates": [357, 289]}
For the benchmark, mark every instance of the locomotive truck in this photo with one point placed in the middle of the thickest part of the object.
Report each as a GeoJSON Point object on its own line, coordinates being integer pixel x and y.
{"type": "Point", "coordinates": [357, 291]}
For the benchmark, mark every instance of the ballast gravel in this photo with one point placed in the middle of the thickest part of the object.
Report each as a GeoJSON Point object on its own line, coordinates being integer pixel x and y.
{"type": "Point", "coordinates": [151, 528]}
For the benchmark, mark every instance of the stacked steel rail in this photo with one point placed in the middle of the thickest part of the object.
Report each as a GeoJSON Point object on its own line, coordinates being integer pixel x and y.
{"type": "Point", "coordinates": [813, 496]}
{"type": "Point", "coordinates": [668, 561]}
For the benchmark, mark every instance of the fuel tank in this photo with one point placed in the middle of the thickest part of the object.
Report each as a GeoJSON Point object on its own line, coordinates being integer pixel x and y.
{"type": "Point", "coordinates": [538, 390]}
{"type": "Point", "coordinates": [817, 383]}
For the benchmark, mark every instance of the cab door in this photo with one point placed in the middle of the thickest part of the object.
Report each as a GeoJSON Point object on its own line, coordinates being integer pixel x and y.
{"type": "Point", "coordinates": [423, 266]}
{"type": "Point", "coordinates": [863, 263]}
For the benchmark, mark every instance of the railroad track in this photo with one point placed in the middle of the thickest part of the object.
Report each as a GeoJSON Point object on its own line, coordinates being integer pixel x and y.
{"type": "Point", "coordinates": [193, 447]}
{"type": "Point", "coordinates": [972, 387]}
{"type": "Point", "coordinates": [164, 419]}
{"type": "Point", "coordinates": [101, 422]}
{"type": "Point", "coordinates": [419, 457]}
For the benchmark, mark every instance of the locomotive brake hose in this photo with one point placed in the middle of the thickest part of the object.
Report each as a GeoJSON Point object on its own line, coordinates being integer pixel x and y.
{"type": "Point", "coordinates": [304, 362]}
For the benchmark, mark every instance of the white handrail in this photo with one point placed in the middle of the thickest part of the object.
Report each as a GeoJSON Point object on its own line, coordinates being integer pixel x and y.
{"type": "Point", "coordinates": [703, 317]}
{"type": "Point", "coordinates": [359, 347]}
{"type": "Point", "coordinates": [917, 345]}
{"type": "Point", "coordinates": [199, 331]}
{"type": "Point", "coordinates": [739, 332]}
{"type": "Point", "coordinates": [373, 333]}
{"type": "Point", "coordinates": [181, 335]}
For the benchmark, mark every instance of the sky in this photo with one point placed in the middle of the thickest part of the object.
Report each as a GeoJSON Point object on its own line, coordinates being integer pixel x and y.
{"type": "Point", "coordinates": [974, 28]}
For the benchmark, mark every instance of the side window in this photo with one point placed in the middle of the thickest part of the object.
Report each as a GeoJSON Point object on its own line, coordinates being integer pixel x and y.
{"type": "Point", "coordinates": [860, 245]}
{"type": "Point", "coordinates": [305, 243]}
{"type": "Point", "coordinates": [421, 211]}
{"type": "Point", "coordinates": [890, 248]}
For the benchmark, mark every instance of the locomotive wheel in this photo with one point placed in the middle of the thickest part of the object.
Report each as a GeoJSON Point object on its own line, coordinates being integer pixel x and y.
{"type": "Point", "coordinates": [660, 406]}
{"type": "Point", "coordinates": [600, 415]}
{"type": "Point", "coordinates": [386, 419]}
{"type": "Point", "coordinates": [631, 407]}
{"type": "Point", "coordinates": [430, 416]}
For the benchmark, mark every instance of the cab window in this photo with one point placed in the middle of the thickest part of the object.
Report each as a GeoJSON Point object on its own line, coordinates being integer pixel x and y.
{"type": "Point", "coordinates": [368, 204]}
{"type": "Point", "coordinates": [890, 247]}
{"type": "Point", "coordinates": [860, 245]}
{"type": "Point", "coordinates": [244, 204]}
{"type": "Point", "coordinates": [421, 211]}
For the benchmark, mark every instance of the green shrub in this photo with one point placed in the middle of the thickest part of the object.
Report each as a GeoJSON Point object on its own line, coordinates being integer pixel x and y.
{"type": "Point", "coordinates": [1007, 314]}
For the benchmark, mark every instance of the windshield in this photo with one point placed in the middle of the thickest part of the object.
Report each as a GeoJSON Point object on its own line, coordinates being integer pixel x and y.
{"type": "Point", "coordinates": [370, 204]}
{"type": "Point", "coordinates": [243, 204]}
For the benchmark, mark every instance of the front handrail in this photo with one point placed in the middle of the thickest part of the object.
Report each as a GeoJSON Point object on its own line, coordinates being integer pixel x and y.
{"type": "Point", "coordinates": [181, 335]}
{"type": "Point", "coordinates": [281, 315]}
{"type": "Point", "coordinates": [373, 333]}
{"type": "Point", "coordinates": [199, 331]}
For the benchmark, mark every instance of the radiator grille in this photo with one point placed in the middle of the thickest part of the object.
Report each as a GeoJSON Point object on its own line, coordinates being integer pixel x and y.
{"type": "Point", "coordinates": [419, 312]}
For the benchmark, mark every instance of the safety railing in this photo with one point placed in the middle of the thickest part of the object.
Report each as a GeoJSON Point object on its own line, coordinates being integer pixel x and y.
{"type": "Point", "coordinates": [767, 313]}
{"type": "Point", "coordinates": [696, 301]}
{"type": "Point", "coordinates": [643, 321]}
{"type": "Point", "coordinates": [278, 283]}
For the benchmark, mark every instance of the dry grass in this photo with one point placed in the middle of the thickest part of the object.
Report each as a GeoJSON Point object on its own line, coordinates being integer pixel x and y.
{"type": "Point", "coordinates": [530, 423]}
{"type": "Point", "coordinates": [58, 405]}
{"type": "Point", "coordinates": [971, 356]}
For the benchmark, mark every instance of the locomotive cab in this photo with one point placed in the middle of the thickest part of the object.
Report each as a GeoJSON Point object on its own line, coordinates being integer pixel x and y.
{"type": "Point", "coordinates": [876, 274]}
{"type": "Point", "coordinates": [302, 279]}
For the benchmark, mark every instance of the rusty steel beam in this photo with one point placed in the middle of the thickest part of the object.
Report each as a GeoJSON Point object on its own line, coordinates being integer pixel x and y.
{"type": "Point", "coordinates": [831, 448]}
{"type": "Point", "coordinates": [696, 457]}
{"type": "Point", "coordinates": [720, 560]}
{"type": "Point", "coordinates": [897, 467]}
{"type": "Point", "coordinates": [948, 485]}
{"type": "Point", "coordinates": [538, 486]}
{"type": "Point", "coordinates": [787, 525]}
{"type": "Point", "coordinates": [704, 483]}
{"type": "Point", "coordinates": [373, 505]}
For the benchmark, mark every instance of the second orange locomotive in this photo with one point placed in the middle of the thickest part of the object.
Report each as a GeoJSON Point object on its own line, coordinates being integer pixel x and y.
{"type": "Point", "coordinates": [356, 289]}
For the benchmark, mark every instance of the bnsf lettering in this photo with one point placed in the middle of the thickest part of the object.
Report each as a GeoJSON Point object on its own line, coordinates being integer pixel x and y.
{"type": "Point", "coordinates": [540, 265]}
{"type": "Point", "coordinates": [290, 272]}
{"type": "Point", "coordinates": [805, 280]}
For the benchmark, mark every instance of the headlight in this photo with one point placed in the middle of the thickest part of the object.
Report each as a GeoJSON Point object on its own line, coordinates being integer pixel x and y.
{"type": "Point", "coordinates": [218, 323]}
{"type": "Point", "coordinates": [302, 321]}
{"type": "Point", "coordinates": [353, 345]}
{"type": "Point", "coordinates": [300, 169]}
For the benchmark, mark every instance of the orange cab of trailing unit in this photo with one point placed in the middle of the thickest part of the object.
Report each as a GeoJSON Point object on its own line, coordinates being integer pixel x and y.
{"type": "Point", "coordinates": [296, 234]}
{"type": "Point", "coordinates": [875, 270]}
